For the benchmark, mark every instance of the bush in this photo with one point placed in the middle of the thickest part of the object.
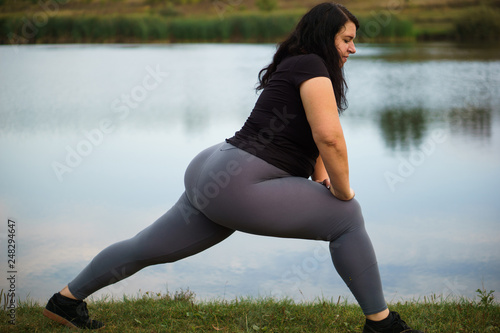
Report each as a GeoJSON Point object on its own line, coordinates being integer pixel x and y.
{"type": "Point", "coordinates": [168, 10]}
{"type": "Point", "coordinates": [144, 28]}
{"type": "Point", "coordinates": [482, 24]}
{"type": "Point", "coordinates": [392, 28]}
{"type": "Point", "coordinates": [266, 5]}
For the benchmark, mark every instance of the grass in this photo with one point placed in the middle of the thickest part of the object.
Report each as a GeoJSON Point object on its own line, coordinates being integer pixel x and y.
{"type": "Point", "coordinates": [179, 312]}
{"type": "Point", "coordinates": [251, 27]}
{"type": "Point", "coordinates": [149, 28]}
{"type": "Point", "coordinates": [166, 21]}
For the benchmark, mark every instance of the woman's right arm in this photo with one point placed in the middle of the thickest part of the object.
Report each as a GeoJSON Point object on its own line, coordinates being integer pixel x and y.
{"type": "Point", "coordinates": [319, 103]}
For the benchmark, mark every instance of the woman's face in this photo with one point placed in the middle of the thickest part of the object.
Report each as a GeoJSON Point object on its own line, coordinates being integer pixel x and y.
{"type": "Point", "coordinates": [344, 41]}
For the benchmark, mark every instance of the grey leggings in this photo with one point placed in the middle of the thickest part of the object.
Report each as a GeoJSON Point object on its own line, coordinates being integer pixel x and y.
{"type": "Point", "coordinates": [228, 189]}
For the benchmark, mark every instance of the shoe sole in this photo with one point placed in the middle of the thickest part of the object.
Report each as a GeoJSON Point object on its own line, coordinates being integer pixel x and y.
{"type": "Point", "coordinates": [61, 320]}
{"type": "Point", "coordinates": [57, 318]}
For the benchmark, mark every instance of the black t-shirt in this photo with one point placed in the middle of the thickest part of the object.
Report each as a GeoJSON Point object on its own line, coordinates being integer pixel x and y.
{"type": "Point", "coordinates": [277, 130]}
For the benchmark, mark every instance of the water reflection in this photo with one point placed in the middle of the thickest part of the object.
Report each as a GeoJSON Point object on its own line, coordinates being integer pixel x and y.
{"type": "Point", "coordinates": [402, 129]}
{"type": "Point", "coordinates": [135, 173]}
{"type": "Point", "coordinates": [475, 122]}
{"type": "Point", "coordinates": [405, 129]}
{"type": "Point", "coordinates": [431, 52]}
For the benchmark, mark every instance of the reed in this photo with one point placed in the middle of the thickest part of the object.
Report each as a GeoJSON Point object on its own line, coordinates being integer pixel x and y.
{"type": "Point", "coordinates": [391, 28]}
{"type": "Point", "coordinates": [479, 24]}
{"type": "Point", "coordinates": [150, 28]}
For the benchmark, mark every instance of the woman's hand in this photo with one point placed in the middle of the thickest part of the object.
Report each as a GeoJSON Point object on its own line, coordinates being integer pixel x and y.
{"type": "Point", "coordinates": [343, 196]}
{"type": "Point", "coordinates": [325, 182]}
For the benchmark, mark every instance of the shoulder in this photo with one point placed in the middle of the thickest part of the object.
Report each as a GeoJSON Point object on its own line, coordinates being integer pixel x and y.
{"type": "Point", "coordinates": [311, 58]}
{"type": "Point", "coordinates": [302, 67]}
{"type": "Point", "coordinates": [312, 61]}
{"type": "Point", "coordinates": [305, 64]}
{"type": "Point", "coordinates": [304, 59]}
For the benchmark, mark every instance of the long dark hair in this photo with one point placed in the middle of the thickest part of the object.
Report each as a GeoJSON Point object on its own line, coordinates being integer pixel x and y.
{"type": "Point", "coordinates": [315, 33]}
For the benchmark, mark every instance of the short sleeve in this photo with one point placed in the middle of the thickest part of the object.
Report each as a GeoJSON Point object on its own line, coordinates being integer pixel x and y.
{"type": "Point", "coordinates": [307, 67]}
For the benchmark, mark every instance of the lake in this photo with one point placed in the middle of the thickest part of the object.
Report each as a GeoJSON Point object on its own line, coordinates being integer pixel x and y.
{"type": "Point", "coordinates": [94, 141]}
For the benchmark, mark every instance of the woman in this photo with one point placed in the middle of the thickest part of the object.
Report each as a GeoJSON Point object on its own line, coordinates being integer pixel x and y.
{"type": "Point", "coordinates": [257, 181]}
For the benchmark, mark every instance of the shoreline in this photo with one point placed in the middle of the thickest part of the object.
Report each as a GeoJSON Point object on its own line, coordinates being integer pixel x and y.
{"type": "Point", "coordinates": [52, 25]}
{"type": "Point", "coordinates": [180, 312]}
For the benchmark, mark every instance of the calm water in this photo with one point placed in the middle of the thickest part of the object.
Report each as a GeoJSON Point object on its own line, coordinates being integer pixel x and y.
{"type": "Point", "coordinates": [94, 141]}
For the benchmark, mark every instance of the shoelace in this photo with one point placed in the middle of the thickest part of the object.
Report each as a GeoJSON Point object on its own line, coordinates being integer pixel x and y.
{"type": "Point", "coordinates": [400, 323]}
{"type": "Point", "coordinates": [82, 311]}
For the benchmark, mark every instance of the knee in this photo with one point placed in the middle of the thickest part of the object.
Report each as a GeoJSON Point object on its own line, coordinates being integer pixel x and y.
{"type": "Point", "coordinates": [346, 218]}
{"type": "Point", "coordinates": [354, 215]}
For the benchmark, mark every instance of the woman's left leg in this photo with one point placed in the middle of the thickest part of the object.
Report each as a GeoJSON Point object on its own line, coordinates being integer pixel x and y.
{"type": "Point", "coordinates": [242, 192]}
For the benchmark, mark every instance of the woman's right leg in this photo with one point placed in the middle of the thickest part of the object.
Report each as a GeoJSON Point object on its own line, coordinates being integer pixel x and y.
{"type": "Point", "coordinates": [179, 233]}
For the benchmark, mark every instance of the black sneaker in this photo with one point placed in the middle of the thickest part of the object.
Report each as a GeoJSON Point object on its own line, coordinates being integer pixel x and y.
{"type": "Point", "coordinates": [397, 326]}
{"type": "Point", "coordinates": [70, 312]}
